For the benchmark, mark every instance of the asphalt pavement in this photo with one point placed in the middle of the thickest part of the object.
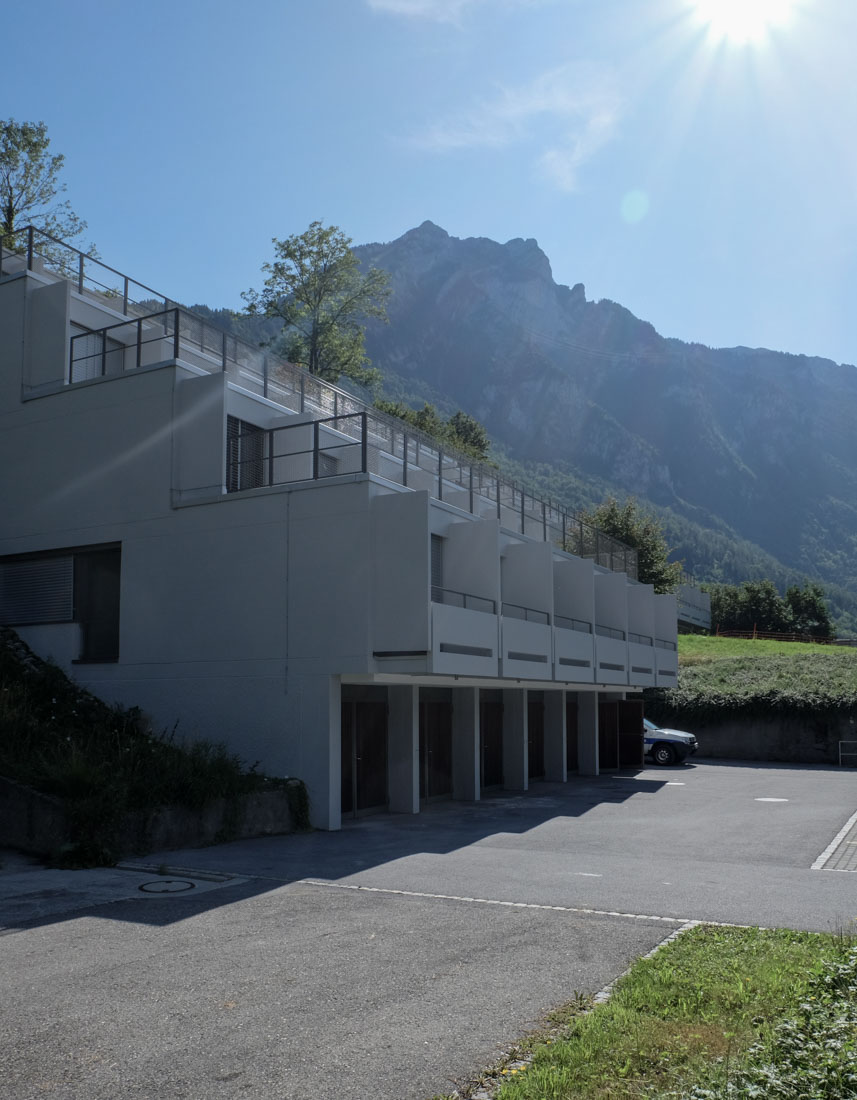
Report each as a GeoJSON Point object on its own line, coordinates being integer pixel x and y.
{"type": "Point", "coordinates": [403, 954]}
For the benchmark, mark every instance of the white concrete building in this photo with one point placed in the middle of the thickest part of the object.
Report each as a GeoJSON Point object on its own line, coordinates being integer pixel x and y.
{"type": "Point", "coordinates": [193, 527]}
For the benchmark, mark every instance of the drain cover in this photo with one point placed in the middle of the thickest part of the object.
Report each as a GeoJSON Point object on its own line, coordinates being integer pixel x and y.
{"type": "Point", "coordinates": [167, 886]}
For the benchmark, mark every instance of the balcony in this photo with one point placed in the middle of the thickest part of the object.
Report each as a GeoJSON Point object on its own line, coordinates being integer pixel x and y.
{"type": "Point", "coordinates": [153, 330]}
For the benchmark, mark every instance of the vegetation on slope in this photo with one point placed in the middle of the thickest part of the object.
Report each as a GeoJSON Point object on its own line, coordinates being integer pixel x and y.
{"type": "Point", "coordinates": [718, 675]}
{"type": "Point", "coordinates": [103, 761]}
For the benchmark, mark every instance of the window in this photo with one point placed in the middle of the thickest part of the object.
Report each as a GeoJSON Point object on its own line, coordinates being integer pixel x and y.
{"type": "Point", "coordinates": [80, 586]}
{"type": "Point", "coordinates": [245, 455]}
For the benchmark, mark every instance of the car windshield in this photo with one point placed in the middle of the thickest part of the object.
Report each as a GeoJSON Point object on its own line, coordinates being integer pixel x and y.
{"type": "Point", "coordinates": [650, 725]}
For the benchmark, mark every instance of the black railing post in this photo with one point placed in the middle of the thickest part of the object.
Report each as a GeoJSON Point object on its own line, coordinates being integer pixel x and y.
{"type": "Point", "coordinates": [270, 455]}
{"type": "Point", "coordinates": [471, 490]}
{"type": "Point", "coordinates": [405, 459]}
{"type": "Point", "coordinates": [29, 248]}
{"type": "Point", "coordinates": [71, 360]}
{"type": "Point", "coordinates": [80, 273]}
{"type": "Point", "coordinates": [303, 391]}
{"type": "Point", "coordinates": [364, 442]}
{"type": "Point", "coordinates": [523, 515]}
{"type": "Point", "coordinates": [544, 522]}
{"type": "Point", "coordinates": [440, 473]}
{"type": "Point", "coordinates": [103, 354]}
{"type": "Point", "coordinates": [499, 505]}
{"type": "Point", "coordinates": [176, 334]}
{"type": "Point", "coordinates": [315, 436]}
{"type": "Point", "coordinates": [264, 375]}
{"type": "Point", "coordinates": [139, 342]}
{"type": "Point", "coordinates": [336, 402]}
{"type": "Point", "coordinates": [125, 297]}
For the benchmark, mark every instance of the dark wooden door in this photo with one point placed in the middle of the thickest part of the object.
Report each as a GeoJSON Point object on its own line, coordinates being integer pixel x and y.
{"type": "Point", "coordinates": [364, 755]}
{"type": "Point", "coordinates": [630, 733]}
{"type": "Point", "coordinates": [571, 735]}
{"type": "Point", "coordinates": [536, 738]}
{"type": "Point", "coordinates": [491, 741]}
{"type": "Point", "coordinates": [608, 742]}
{"type": "Point", "coordinates": [435, 749]}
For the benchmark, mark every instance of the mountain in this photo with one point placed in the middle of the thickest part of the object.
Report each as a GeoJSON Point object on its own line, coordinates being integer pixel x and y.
{"type": "Point", "coordinates": [748, 455]}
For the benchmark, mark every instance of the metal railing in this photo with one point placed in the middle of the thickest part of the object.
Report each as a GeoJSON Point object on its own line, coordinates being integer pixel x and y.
{"type": "Point", "coordinates": [463, 599]}
{"type": "Point", "coordinates": [610, 632]}
{"type": "Point", "coordinates": [528, 614]}
{"type": "Point", "coordinates": [160, 330]}
{"type": "Point", "coordinates": [580, 625]}
{"type": "Point", "coordinates": [851, 752]}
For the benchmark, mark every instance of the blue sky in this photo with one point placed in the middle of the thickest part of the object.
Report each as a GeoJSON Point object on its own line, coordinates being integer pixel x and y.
{"type": "Point", "coordinates": [701, 171]}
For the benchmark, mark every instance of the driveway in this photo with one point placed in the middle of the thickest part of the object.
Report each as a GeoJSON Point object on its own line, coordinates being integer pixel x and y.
{"type": "Point", "coordinates": [401, 955]}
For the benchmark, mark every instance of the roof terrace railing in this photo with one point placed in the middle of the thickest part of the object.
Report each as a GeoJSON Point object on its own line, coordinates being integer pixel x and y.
{"type": "Point", "coordinates": [158, 330]}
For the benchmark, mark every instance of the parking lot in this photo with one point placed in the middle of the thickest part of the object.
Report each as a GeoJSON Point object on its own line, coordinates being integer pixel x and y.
{"type": "Point", "coordinates": [400, 955]}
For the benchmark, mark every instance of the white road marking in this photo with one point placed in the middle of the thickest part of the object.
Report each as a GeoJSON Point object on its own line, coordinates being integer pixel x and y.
{"type": "Point", "coordinates": [674, 783]}
{"type": "Point", "coordinates": [771, 800]}
{"type": "Point", "coordinates": [834, 844]}
{"type": "Point", "coordinates": [587, 874]}
{"type": "Point", "coordinates": [493, 901]}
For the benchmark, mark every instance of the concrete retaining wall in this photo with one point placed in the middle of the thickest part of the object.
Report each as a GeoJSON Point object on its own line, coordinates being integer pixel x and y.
{"type": "Point", "coordinates": [36, 823]}
{"type": "Point", "coordinates": [798, 740]}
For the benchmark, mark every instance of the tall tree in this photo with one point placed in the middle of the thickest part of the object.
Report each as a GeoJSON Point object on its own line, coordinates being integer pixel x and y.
{"type": "Point", "coordinates": [29, 184]}
{"type": "Point", "coordinates": [316, 288]}
{"type": "Point", "coordinates": [642, 532]}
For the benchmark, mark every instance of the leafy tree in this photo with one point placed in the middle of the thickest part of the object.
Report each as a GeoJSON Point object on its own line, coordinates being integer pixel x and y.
{"type": "Point", "coordinates": [29, 184]}
{"type": "Point", "coordinates": [642, 532]}
{"type": "Point", "coordinates": [316, 288]}
{"type": "Point", "coordinates": [461, 431]}
{"type": "Point", "coordinates": [808, 610]}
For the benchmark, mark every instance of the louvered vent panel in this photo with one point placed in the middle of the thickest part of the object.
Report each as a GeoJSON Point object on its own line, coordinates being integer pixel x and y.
{"type": "Point", "coordinates": [39, 591]}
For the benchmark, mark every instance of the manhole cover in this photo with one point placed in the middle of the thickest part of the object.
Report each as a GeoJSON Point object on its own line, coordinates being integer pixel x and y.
{"type": "Point", "coordinates": [167, 886]}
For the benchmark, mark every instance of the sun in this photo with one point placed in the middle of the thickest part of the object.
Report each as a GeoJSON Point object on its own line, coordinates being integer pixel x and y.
{"type": "Point", "coordinates": [743, 21]}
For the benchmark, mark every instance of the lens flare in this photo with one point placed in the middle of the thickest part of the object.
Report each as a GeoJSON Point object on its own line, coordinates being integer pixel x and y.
{"type": "Point", "coordinates": [743, 21]}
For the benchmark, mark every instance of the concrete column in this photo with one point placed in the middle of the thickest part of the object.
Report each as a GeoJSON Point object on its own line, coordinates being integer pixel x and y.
{"type": "Point", "coordinates": [313, 706]}
{"type": "Point", "coordinates": [555, 763]}
{"type": "Point", "coordinates": [465, 744]}
{"type": "Point", "coordinates": [515, 763]}
{"type": "Point", "coordinates": [403, 749]}
{"type": "Point", "coordinates": [587, 732]}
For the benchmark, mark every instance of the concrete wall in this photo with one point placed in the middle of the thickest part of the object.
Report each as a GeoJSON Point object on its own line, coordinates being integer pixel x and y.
{"type": "Point", "coordinates": [798, 739]}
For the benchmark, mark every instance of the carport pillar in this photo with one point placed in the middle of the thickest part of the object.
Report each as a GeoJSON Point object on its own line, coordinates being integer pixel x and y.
{"type": "Point", "coordinates": [465, 744]}
{"type": "Point", "coordinates": [555, 750]}
{"type": "Point", "coordinates": [403, 741]}
{"type": "Point", "coordinates": [587, 732]}
{"type": "Point", "coordinates": [515, 758]}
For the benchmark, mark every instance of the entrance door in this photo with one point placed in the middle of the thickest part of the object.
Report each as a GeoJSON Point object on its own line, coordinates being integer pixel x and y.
{"type": "Point", "coordinates": [608, 742]}
{"type": "Point", "coordinates": [491, 743]}
{"type": "Point", "coordinates": [435, 749]}
{"type": "Point", "coordinates": [630, 722]}
{"type": "Point", "coordinates": [364, 756]}
{"type": "Point", "coordinates": [535, 737]}
{"type": "Point", "coordinates": [571, 764]}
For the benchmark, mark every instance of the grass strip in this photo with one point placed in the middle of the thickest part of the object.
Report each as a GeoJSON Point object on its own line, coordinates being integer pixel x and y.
{"type": "Point", "coordinates": [717, 1013]}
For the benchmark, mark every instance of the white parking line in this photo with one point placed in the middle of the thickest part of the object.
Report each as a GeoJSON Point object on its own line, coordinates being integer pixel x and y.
{"type": "Point", "coordinates": [834, 844]}
{"type": "Point", "coordinates": [493, 901]}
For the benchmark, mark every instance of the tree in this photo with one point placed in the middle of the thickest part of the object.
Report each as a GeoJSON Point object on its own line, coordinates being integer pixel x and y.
{"type": "Point", "coordinates": [642, 532]}
{"type": "Point", "coordinates": [316, 288]}
{"type": "Point", "coordinates": [29, 183]}
{"type": "Point", "coordinates": [461, 431]}
{"type": "Point", "coordinates": [757, 605]}
{"type": "Point", "coordinates": [809, 612]}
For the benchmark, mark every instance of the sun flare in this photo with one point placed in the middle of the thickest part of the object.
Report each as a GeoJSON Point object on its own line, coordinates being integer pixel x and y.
{"type": "Point", "coordinates": [743, 20]}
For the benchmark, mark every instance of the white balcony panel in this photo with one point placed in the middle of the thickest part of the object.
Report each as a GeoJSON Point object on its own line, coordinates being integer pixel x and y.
{"type": "Point", "coordinates": [574, 656]}
{"type": "Point", "coordinates": [526, 653]}
{"type": "Point", "coordinates": [666, 667]}
{"type": "Point", "coordinates": [464, 643]}
{"type": "Point", "coordinates": [642, 667]}
{"type": "Point", "coordinates": [612, 661]}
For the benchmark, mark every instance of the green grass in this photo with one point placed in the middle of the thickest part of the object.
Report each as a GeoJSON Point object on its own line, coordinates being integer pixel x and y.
{"type": "Point", "coordinates": [103, 761]}
{"type": "Point", "coordinates": [724, 675]}
{"type": "Point", "coordinates": [716, 1005]}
